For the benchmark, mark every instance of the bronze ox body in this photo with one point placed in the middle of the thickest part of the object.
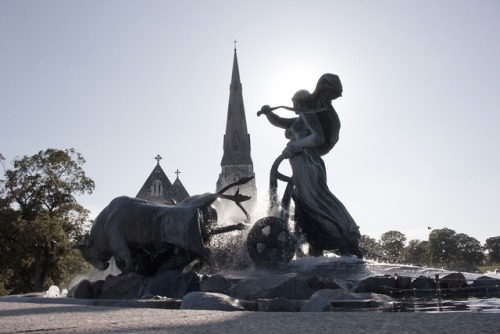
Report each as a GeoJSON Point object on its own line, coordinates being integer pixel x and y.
{"type": "Point", "coordinates": [129, 227]}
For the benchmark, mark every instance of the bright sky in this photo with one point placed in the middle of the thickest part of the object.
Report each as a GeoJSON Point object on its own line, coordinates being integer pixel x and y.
{"type": "Point", "coordinates": [122, 81]}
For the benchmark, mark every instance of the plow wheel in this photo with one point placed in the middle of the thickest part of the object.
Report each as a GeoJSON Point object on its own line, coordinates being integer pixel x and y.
{"type": "Point", "coordinates": [270, 242]}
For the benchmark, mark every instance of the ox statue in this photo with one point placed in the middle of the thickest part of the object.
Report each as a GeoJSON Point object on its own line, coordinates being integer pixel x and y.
{"type": "Point", "coordinates": [142, 236]}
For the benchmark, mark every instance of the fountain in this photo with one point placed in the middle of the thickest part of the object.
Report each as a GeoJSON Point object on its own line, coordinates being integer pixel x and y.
{"type": "Point", "coordinates": [178, 255]}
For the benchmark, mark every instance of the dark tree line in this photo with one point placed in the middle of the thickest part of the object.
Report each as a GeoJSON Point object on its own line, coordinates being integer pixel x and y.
{"type": "Point", "coordinates": [40, 219]}
{"type": "Point", "coordinates": [444, 248]}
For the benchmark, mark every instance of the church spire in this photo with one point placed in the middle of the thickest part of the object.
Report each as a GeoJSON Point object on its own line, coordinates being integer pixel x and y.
{"type": "Point", "coordinates": [236, 160]}
{"type": "Point", "coordinates": [236, 139]}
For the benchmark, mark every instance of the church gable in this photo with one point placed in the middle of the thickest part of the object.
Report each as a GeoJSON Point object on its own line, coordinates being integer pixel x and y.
{"type": "Point", "coordinates": [159, 189]}
{"type": "Point", "coordinates": [179, 193]}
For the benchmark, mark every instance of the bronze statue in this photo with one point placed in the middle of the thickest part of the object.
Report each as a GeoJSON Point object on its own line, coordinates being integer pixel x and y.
{"type": "Point", "coordinates": [319, 215]}
{"type": "Point", "coordinates": [142, 236]}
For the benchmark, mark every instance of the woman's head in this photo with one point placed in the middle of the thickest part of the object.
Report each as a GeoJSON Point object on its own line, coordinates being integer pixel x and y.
{"type": "Point", "coordinates": [329, 86]}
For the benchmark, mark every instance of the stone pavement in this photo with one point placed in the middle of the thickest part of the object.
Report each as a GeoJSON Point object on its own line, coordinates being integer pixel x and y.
{"type": "Point", "coordinates": [62, 315]}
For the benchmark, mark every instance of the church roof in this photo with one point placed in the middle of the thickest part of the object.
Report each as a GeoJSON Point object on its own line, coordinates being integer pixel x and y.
{"type": "Point", "coordinates": [159, 189]}
{"type": "Point", "coordinates": [178, 191]}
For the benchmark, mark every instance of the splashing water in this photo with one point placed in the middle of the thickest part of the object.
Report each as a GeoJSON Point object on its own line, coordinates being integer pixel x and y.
{"type": "Point", "coordinates": [54, 292]}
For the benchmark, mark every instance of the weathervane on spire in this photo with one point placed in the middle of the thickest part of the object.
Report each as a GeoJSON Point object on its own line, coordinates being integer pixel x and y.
{"type": "Point", "coordinates": [158, 158]}
{"type": "Point", "coordinates": [235, 41]}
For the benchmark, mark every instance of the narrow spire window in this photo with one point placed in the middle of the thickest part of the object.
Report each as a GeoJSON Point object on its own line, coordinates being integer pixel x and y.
{"type": "Point", "coordinates": [236, 142]}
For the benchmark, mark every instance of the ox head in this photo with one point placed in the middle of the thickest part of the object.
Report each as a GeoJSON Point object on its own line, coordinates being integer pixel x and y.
{"type": "Point", "coordinates": [92, 254]}
{"type": "Point", "coordinates": [208, 221]}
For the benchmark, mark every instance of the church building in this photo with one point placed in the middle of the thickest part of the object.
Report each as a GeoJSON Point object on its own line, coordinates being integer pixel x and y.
{"type": "Point", "coordinates": [236, 160]}
{"type": "Point", "coordinates": [158, 188]}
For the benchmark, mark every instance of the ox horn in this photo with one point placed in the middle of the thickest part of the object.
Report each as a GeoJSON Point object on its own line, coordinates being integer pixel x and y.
{"type": "Point", "coordinates": [88, 240]}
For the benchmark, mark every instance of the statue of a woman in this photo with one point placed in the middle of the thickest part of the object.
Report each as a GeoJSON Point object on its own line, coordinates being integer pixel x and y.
{"type": "Point", "coordinates": [319, 215]}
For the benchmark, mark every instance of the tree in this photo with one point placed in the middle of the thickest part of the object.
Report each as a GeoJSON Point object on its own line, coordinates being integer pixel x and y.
{"type": "Point", "coordinates": [393, 244]}
{"type": "Point", "coordinates": [40, 217]}
{"type": "Point", "coordinates": [370, 247]}
{"type": "Point", "coordinates": [469, 250]}
{"type": "Point", "coordinates": [6, 214]}
{"type": "Point", "coordinates": [492, 246]}
{"type": "Point", "coordinates": [417, 252]}
{"type": "Point", "coordinates": [442, 247]}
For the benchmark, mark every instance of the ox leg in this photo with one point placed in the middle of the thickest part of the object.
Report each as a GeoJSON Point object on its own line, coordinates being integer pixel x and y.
{"type": "Point", "coordinates": [123, 256]}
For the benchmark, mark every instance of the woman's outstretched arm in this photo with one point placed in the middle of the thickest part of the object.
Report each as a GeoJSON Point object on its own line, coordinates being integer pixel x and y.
{"type": "Point", "coordinates": [274, 119]}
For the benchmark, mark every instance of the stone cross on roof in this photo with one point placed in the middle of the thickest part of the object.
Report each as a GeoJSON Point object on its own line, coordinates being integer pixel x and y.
{"type": "Point", "coordinates": [158, 158]}
{"type": "Point", "coordinates": [177, 172]}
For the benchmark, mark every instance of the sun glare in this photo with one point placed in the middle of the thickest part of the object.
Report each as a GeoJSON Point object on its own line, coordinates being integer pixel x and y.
{"type": "Point", "coordinates": [291, 75]}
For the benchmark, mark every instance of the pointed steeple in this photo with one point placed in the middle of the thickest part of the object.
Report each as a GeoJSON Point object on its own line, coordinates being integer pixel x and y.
{"type": "Point", "coordinates": [236, 160]}
{"type": "Point", "coordinates": [236, 140]}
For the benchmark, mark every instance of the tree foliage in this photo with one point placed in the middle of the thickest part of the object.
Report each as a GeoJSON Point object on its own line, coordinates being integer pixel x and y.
{"type": "Point", "coordinates": [445, 248]}
{"type": "Point", "coordinates": [469, 250]}
{"type": "Point", "coordinates": [393, 244]}
{"type": "Point", "coordinates": [492, 246]}
{"type": "Point", "coordinates": [40, 217]}
{"type": "Point", "coordinates": [442, 247]}
{"type": "Point", "coordinates": [370, 247]}
{"type": "Point", "coordinates": [416, 252]}
{"type": "Point", "coordinates": [450, 250]}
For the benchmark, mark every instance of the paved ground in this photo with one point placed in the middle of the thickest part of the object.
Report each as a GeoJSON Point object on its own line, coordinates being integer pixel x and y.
{"type": "Point", "coordinates": [59, 316]}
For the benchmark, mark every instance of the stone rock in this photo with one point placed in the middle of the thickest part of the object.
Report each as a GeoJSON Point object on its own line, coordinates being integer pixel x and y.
{"type": "Point", "coordinates": [453, 281]}
{"type": "Point", "coordinates": [423, 283]}
{"type": "Point", "coordinates": [82, 290]}
{"type": "Point", "coordinates": [283, 289]}
{"type": "Point", "coordinates": [323, 300]}
{"type": "Point", "coordinates": [319, 302]}
{"type": "Point", "coordinates": [121, 286]}
{"type": "Point", "coordinates": [486, 287]}
{"type": "Point", "coordinates": [96, 287]}
{"type": "Point", "coordinates": [316, 283]}
{"type": "Point", "coordinates": [378, 284]}
{"type": "Point", "coordinates": [485, 281]}
{"type": "Point", "coordinates": [421, 287]}
{"type": "Point", "coordinates": [210, 301]}
{"type": "Point", "coordinates": [330, 283]}
{"type": "Point", "coordinates": [172, 284]}
{"type": "Point", "coordinates": [86, 289]}
{"type": "Point", "coordinates": [215, 283]}
{"type": "Point", "coordinates": [403, 282]}
{"type": "Point", "coordinates": [273, 286]}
